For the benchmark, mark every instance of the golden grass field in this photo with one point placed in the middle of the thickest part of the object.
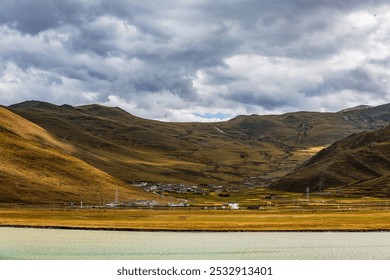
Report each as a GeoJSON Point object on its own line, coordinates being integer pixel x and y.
{"type": "Point", "coordinates": [198, 220]}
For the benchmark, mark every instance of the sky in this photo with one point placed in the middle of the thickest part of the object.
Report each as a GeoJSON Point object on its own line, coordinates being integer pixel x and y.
{"type": "Point", "coordinates": [196, 60]}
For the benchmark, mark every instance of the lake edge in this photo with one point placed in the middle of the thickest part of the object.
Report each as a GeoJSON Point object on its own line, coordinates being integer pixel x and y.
{"type": "Point", "coordinates": [186, 230]}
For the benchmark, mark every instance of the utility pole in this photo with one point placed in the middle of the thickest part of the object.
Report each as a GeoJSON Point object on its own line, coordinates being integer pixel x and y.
{"type": "Point", "coordinates": [307, 194]}
{"type": "Point", "coordinates": [116, 196]}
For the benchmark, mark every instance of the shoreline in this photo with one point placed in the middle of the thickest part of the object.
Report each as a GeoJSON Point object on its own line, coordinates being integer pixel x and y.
{"type": "Point", "coordinates": [187, 230]}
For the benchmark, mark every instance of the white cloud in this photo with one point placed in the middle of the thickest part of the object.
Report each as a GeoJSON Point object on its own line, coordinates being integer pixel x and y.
{"type": "Point", "coordinates": [362, 19]}
{"type": "Point", "coordinates": [196, 60]}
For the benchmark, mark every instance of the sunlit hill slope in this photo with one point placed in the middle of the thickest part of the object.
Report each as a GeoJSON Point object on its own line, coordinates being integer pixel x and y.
{"type": "Point", "coordinates": [358, 164]}
{"type": "Point", "coordinates": [132, 148]}
{"type": "Point", "coordinates": [36, 167]}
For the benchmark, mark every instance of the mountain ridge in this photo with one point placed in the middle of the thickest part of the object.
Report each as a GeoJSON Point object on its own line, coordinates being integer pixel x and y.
{"type": "Point", "coordinates": [352, 165]}
{"type": "Point", "coordinates": [356, 108]}
{"type": "Point", "coordinates": [262, 148]}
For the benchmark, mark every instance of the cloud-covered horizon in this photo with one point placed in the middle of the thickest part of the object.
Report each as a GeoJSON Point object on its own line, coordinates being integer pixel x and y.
{"type": "Point", "coordinates": [196, 60]}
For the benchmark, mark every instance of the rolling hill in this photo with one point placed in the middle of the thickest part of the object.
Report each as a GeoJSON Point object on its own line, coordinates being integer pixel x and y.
{"type": "Point", "coordinates": [260, 148]}
{"type": "Point", "coordinates": [358, 164]}
{"type": "Point", "coordinates": [38, 168]}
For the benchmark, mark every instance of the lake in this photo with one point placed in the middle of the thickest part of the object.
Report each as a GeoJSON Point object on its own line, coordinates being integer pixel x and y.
{"type": "Point", "coordinates": [47, 244]}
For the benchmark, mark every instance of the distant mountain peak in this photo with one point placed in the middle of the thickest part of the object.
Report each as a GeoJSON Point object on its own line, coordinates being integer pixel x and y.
{"type": "Point", "coordinates": [32, 104]}
{"type": "Point", "coordinates": [356, 108]}
{"type": "Point", "coordinates": [104, 111]}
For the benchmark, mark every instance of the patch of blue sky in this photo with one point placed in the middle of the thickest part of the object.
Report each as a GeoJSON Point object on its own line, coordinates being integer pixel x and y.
{"type": "Point", "coordinates": [219, 116]}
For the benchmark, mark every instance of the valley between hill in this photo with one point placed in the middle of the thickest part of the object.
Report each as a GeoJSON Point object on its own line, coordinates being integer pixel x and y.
{"type": "Point", "coordinates": [63, 154]}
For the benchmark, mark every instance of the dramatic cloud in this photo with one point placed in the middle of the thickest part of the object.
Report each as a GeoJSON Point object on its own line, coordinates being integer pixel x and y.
{"type": "Point", "coordinates": [196, 60]}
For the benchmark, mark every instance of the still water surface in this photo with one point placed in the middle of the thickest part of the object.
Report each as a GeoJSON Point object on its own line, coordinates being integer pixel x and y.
{"type": "Point", "coordinates": [45, 244]}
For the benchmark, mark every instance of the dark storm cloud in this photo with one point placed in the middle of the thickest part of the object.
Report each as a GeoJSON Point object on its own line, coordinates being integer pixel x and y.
{"type": "Point", "coordinates": [35, 16]}
{"type": "Point", "coordinates": [186, 60]}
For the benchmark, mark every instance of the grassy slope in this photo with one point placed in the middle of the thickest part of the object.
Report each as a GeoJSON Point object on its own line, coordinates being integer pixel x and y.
{"type": "Point", "coordinates": [131, 148]}
{"type": "Point", "coordinates": [149, 150]}
{"type": "Point", "coordinates": [359, 164]}
{"type": "Point", "coordinates": [35, 167]}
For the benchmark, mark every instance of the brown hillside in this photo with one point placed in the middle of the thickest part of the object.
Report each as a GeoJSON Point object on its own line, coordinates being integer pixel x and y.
{"type": "Point", "coordinates": [135, 149]}
{"type": "Point", "coordinates": [358, 164]}
{"type": "Point", "coordinates": [36, 168]}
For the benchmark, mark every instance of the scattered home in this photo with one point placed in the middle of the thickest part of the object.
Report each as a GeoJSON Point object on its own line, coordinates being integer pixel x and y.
{"type": "Point", "coordinates": [142, 203]}
{"type": "Point", "coordinates": [139, 184]}
{"type": "Point", "coordinates": [112, 205]}
{"type": "Point", "coordinates": [234, 205]}
{"type": "Point", "coordinates": [182, 204]}
{"type": "Point", "coordinates": [170, 188]}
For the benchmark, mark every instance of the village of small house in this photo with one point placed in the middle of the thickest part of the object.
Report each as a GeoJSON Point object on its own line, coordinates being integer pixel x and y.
{"type": "Point", "coordinates": [170, 190]}
{"type": "Point", "coordinates": [217, 197]}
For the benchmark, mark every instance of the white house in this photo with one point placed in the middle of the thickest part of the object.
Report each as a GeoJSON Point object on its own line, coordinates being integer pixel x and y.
{"type": "Point", "coordinates": [234, 205]}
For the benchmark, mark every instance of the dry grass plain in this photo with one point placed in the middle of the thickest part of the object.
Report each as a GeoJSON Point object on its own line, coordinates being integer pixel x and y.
{"type": "Point", "coordinates": [198, 220]}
